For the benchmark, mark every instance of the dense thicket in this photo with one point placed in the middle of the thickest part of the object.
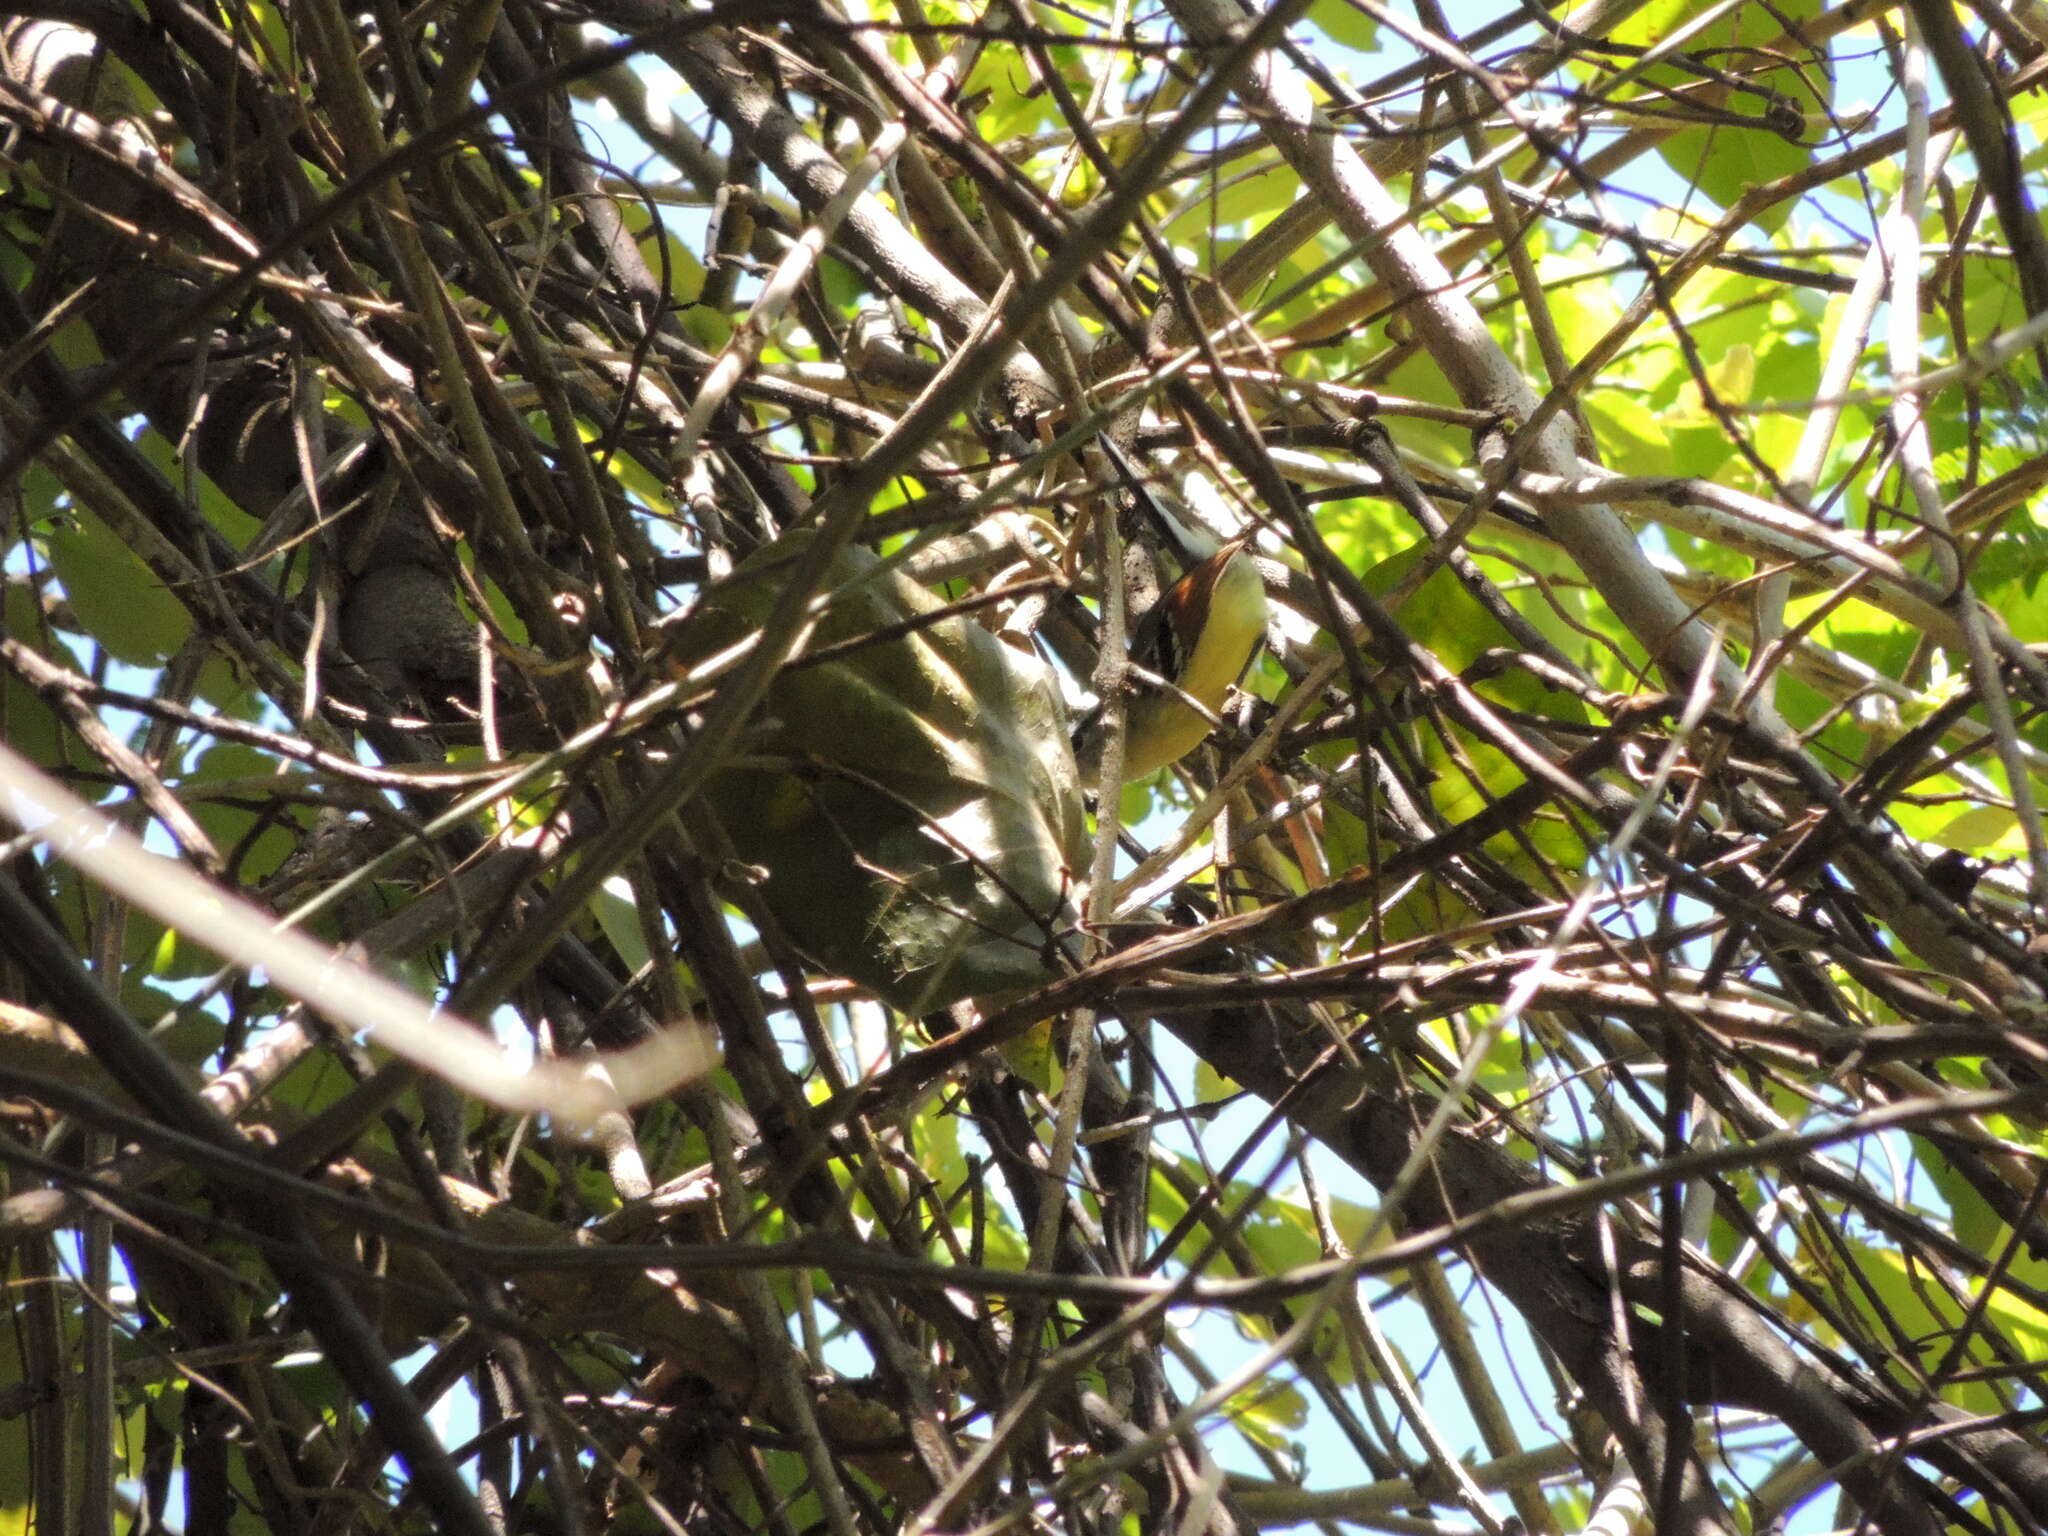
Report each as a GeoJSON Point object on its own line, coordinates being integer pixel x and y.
{"type": "Point", "coordinates": [595, 518]}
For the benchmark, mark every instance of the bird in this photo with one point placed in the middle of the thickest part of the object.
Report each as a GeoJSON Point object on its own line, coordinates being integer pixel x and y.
{"type": "Point", "coordinates": [1199, 637]}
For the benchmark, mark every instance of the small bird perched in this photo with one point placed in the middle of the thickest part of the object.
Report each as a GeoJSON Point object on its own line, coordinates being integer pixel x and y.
{"type": "Point", "coordinates": [1199, 637]}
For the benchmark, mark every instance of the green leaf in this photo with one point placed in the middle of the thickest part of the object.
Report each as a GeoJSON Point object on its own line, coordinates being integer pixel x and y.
{"type": "Point", "coordinates": [27, 724]}
{"type": "Point", "coordinates": [1246, 196]}
{"type": "Point", "coordinates": [119, 601]}
{"type": "Point", "coordinates": [1270, 1412]}
{"type": "Point", "coordinates": [1446, 618]}
{"type": "Point", "coordinates": [1916, 1303]}
{"type": "Point", "coordinates": [1211, 1085]}
{"type": "Point", "coordinates": [616, 915]}
{"type": "Point", "coordinates": [1984, 829]}
{"type": "Point", "coordinates": [1344, 23]}
{"type": "Point", "coordinates": [229, 821]}
{"type": "Point", "coordinates": [1749, 143]}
